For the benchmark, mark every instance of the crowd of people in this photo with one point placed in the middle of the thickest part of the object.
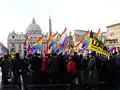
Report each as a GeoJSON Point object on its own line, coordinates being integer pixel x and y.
{"type": "Point", "coordinates": [86, 71]}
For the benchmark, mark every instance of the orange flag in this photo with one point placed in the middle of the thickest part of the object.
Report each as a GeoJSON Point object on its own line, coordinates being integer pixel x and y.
{"type": "Point", "coordinates": [47, 42]}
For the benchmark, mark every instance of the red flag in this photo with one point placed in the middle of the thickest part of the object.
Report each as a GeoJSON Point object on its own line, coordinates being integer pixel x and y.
{"type": "Point", "coordinates": [98, 33]}
{"type": "Point", "coordinates": [26, 41]}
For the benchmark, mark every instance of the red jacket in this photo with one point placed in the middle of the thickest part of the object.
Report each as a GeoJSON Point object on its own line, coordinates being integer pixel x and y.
{"type": "Point", "coordinates": [71, 67]}
{"type": "Point", "coordinates": [45, 65]}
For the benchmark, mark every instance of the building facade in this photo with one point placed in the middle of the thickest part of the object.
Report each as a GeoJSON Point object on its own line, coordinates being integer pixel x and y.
{"type": "Point", "coordinates": [16, 41]}
{"type": "Point", "coordinates": [112, 36]}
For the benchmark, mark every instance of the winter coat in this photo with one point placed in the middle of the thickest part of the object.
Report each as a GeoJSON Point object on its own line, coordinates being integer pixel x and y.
{"type": "Point", "coordinates": [77, 61]}
{"type": "Point", "coordinates": [36, 64]}
{"type": "Point", "coordinates": [71, 67]}
{"type": "Point", "coordinates": [6, 65]}
{"type": "Point", "coordinates": [45, 64]}
{"type": "Point", "coordinates": [53, 64]}
{"type": "Point", "coordinates": [116, 65]}
{"type": "Point", "coordinates": [84, 71]}
{"type": "Point", "coordinates": [92, 75]}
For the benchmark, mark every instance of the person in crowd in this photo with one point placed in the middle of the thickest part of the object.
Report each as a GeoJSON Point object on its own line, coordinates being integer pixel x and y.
{"type": "Point", "coordinates": [71, 69]}
{"type": "Point", "coordinates": [53, 68]}
{"type": "Point", "coordinates": [5, 66]}
{"type": "Point", "coordinates": [71, 66]}
{"type": "Point", "coordinates": [44, 73]}
{"type": "Point", "coordinates": [84, 72]}
{"type": "Point", "coordinates": [45, 64]}
{"type": "Point", "coordinates": [77, 61]}
{"type": "Point", "coordinates": [29, 59]}
{"type": "Point", "coordinates": [111, 71]}
{"type": "Point", "coordinates": [98, 59]}
{"type": "Point", "coordinates": [92, 69]}
{"type": "Point", "coordinates": [116, 64]}
{"type": "Point", "coordinates": [17, 69]}
{"type": "Point", "coordinates": [62, 68]}
{"type": "Point", "coordinates": [25, 73]}
{"type": "Point", "coordinates": [36, 69]}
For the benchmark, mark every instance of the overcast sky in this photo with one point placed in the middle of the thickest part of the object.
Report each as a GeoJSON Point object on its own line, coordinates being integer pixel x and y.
{"type": "Point", "coordinates": [74, 14]}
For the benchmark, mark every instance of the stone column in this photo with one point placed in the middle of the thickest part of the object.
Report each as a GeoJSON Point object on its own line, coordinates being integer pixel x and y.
{"type": "Point", "coordinates": [9, 48]}
{"type": "Point", "coordinates": [22, 49]}
{"type": "Point", "coordinates": [17, 48]}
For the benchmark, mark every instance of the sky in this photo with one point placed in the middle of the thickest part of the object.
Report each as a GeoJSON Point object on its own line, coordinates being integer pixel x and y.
{"type": "Point", "coordinates": [74, 14]}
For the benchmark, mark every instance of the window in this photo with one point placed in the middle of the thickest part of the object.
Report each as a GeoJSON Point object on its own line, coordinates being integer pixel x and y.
{"type": "Point", "coordinates": [13, 37]}
{"type": "Point", "coordinates": [110, 42]}
{"type": "Point", "coordinates": [111, 34]}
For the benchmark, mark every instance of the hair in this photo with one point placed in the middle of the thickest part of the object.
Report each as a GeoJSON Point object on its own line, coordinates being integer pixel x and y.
{"type": "Point", "coordinates": [81, 55]}
{"type": "Point", "coordinates": [53, 54]}
{"type": "Point", "coordinates": [35, 54]}
{"type": "Point", "coordinates": [29, 55]}
{"type": "Point", "coordinates": [75, 53]}
{"type": "Point", "coordinates": [93, 53]}
{"type": "Point", "coordinates": [17, 55]}
{"type": "Point", "coordinates": [5, 56]}
{"type": "Point", "coordinates": [115, 53]}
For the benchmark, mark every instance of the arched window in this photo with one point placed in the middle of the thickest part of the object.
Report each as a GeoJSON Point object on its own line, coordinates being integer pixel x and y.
{"type": "Point", "coordinates": [13, 37]}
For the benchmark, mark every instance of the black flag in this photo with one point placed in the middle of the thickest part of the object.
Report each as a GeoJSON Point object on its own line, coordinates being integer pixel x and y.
{"type": "Point", "coordinates": [91, 34]}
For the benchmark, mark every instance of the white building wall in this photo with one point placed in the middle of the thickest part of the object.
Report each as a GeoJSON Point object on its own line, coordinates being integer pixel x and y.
{"type": "Point", "coordinates": [22, 49]}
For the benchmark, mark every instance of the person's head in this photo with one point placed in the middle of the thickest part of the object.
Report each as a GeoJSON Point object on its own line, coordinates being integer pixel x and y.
{"type": "Point", "coordinates": [48, 55]}
{"type": "Point", "coordinates": [60, 54]}
{"type": "Point", "coordinates": [93, 53]}
{"type": "Point", "coordinates": [115, 53]}
{"type": "Point", "coordinates": [53, 54]}
{"type": "Point", "coordinates": [35, 54]}
{"type": "Point", "coordinates": [17, 55]}
{"type": "Point", "coordinates": [81, 55]}
{"type": "Point", "coordinates": [70, 58]}
{"type": "Point", "coordinates": [97, 54]}
{"type": "Point", "coordinates": [5, 56]}
{"type": "Point", "coordinates": [75, 53]}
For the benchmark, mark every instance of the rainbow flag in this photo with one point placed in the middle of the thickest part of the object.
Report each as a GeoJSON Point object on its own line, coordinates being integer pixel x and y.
{"type": "Point", "coordinates": [63, 36]}
{"type": "Point", "coordinates": [38, 44]}
{"type": "Point", "coordinates": [72, 48]}
{"type": "Point", "coordinates": [65, 30]}
{"type": "Point", "coordinates": [49, 51]}
{"type": "Point", "coordinates": [111, 49]}
{"type": "Point", "coordinates": [39, 41]}
{"type": "Point", "coordinates": [86, 40]}
{"type": "Point", "coordinates": [54, 36]}
{"type": "Point", "coordinates": [64, 40]}
{"type": "Point", "coordinates": [83, 39]}
{"type": "Point", "coordinates": [29, 47]}
{"type": "Point", "coordinates": [53, 39]}
{"type": "Point", "coordinates": [81, 50]}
